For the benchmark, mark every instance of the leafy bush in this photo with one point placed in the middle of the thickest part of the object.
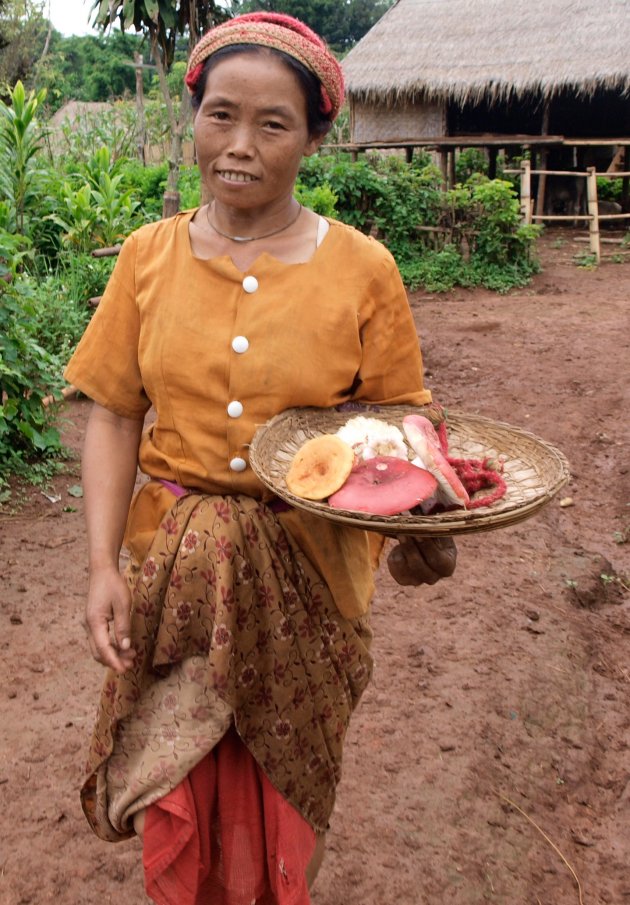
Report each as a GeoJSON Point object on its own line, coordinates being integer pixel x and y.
{"type": "Point", "coordinates": [114, 128]}
{"type": "Point", "coordinates": [470, 161]}
{"type": "Point", "coordinates": [59, 301]}
{"type": "Point", "coordinates": [99, 212]}
{"type": "Point", "coordinates": [189, 188]}
{"type": "Point", "coordinates": [609, 189]}
{"type": "Point", "coordinates": [20, 141]}
{"type": "Point", "coordinates": [468, 236]}
{"type": "Point", "coordinates": [27, 374]}
{"type": "Point", "coordinates": [320, 199]}
{"type": "Point", "coordinates": [147, 184]}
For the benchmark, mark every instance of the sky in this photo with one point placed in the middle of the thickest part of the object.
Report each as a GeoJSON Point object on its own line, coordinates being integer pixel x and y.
{"type": "Point", "coordinates": [70, 17]}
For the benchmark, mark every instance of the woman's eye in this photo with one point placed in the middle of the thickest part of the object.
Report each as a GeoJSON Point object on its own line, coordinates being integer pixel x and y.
{"type": "Point", "coordinates": [220, 115]}
{"type": "Point", "coordinates": [272, 124]}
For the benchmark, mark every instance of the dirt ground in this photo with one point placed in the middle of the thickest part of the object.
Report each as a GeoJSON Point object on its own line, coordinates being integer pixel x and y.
{"type": "Point", "coordinates": [489, 762]}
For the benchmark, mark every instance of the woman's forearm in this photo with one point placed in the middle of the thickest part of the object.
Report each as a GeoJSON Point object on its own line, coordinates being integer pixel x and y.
{"type": "Point", "coordinates": [109, 465]}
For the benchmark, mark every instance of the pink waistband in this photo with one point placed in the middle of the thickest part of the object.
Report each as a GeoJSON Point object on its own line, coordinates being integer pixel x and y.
{"type": "Point", "coordinates": [178, 491]}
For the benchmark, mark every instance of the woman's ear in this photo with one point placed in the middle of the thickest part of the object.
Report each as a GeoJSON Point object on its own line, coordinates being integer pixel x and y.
{"type": "Point", "coordinates": [314, 143]}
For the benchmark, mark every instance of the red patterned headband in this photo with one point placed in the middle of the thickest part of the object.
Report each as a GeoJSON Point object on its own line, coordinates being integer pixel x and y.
{"type": "Point", "coordinates": [280, 33]}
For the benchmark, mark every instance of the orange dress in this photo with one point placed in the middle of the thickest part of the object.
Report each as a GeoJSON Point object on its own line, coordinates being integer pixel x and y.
{"type": "Point", "coordinates": [242, 619]}
{"type": "Point", "coordinates": [218, 352]}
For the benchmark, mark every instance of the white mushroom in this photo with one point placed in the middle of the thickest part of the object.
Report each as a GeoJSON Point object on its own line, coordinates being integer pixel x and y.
{"type": "Point", "coordinates": [370, 437]}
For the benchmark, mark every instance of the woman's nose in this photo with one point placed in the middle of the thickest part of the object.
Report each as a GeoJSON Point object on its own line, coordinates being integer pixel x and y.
{"type": "Point", "coordinates": [242, 142]}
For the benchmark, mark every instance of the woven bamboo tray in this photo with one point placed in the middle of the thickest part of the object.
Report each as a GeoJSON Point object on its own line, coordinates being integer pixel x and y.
{"type": "Point", "coordinates": [533, 470]}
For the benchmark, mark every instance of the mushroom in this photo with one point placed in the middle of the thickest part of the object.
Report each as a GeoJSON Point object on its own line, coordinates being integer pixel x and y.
{"type": "Point", "coordinates": [384, 485]}
{"type": "Point", "coordinates": [424, 440]}
{"type": "Point", "coordinates": [320, 466]}
{"type": "Point", "coordinates": [371, 437]}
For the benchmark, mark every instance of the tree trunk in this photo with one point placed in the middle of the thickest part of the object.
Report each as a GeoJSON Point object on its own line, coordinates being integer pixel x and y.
{"type": "Point", "coordinates": [171, 195]}
{"type": "Point", "coordinates": [141, 131]}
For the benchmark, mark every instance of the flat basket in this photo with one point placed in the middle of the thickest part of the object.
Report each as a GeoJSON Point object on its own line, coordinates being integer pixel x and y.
{"type": "Point", "coordinates": [533, 470]}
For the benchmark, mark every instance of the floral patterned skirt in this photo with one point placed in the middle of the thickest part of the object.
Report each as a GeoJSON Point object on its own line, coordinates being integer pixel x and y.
{"type": "Point", "coordinates": [231, 625]}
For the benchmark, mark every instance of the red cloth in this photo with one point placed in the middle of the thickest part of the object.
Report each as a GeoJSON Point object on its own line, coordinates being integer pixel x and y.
{"type": "Point", "coordinates": [226, 836]}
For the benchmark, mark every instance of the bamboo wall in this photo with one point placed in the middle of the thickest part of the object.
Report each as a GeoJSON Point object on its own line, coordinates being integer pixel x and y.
{"type": "Point", "coordinates": [404, 122]}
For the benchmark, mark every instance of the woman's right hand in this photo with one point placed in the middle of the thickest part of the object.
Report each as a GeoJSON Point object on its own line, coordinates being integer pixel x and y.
{"type": "Point", "coordinates": [107, 619]}
{"type": "Point", "coordinates": [110, 457]}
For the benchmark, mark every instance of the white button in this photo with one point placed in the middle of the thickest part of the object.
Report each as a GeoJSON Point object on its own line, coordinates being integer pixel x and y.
{"type": "Point", "coordinates": [238, 464]}
{"type": "Point", "coordinates": [240, 344]}
{"type": "Point", "coordinates": [250, 284]}
{"type": "Point", "coordinates": [235, 409]}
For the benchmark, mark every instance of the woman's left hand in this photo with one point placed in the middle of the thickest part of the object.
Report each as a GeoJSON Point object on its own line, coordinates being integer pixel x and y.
{"type": "Point", "coordinates": [415, 561]}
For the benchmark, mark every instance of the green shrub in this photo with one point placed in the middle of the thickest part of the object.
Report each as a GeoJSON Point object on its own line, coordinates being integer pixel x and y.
{"type": "Point", "coordinates": [476, 237]}
{"type": "Point", "coordinates": [59, 301]}
{"type": "Point", "coordinates": [98, 212]}
{"type": "Point", "coordinates": [320, 199]}
{"type": "Point", "coordinates": [189, 188]}
{"type": "Point", "coordinates": [609, 189]}
{"type": "Point", "coordinates": [27, 374]}
{"type": "Point", "coordinates": [20, 142]}
{"type": "Point", "coordinates": [147, 185]}
{"type": "Point", "coordinates": [470, 161]}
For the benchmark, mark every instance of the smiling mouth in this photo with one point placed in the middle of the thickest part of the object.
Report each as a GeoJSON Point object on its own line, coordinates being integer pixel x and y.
{"type": "Point", "coordinates": [232, 176]}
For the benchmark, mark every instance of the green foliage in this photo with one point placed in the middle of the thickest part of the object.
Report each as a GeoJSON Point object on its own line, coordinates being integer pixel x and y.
{"type": "Point", "coordinates": [20, 140]}
{"type": "Point", "coordinates": [162, 20]}
{"type": "Point", "coordinates": [59, 301]}
{"type": "Point", "coordinates": [147, 186]}
{"type": "Point", "coordinates": [189, 187]}
{"type": "Point", "coordinates": [609, 189]}
{"type": "Point", "coordinates": [468, 236]}
{"type": "Point", "coordinates": [98, 212]}
{"type": "Point", "coordinates": [23, 35]}
{"type": "Point", "coordinates": [468, 162]}
{"type": "Point", "coordinates": [586, 260]}
{"type": "Point", "coordinates": [115, 129]}
{"type": "Point", "coordinates": [147, 183]}
{"type": "Point", "coordinates": [340, 24]}
{"type": "Point", "coordinates": [15, 249]}
{"type": "Point", "coordinates": [91, 67]}
{"type": "Point", "coordinates": [320, 199]}
{"type": "Point", "coordinates": [27, 374]}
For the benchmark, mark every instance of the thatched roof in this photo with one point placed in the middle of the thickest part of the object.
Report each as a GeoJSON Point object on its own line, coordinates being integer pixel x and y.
{"type": "Point", "coordinates": [466, 50]}
{"type": "Point", "coordinates": [77, 110]}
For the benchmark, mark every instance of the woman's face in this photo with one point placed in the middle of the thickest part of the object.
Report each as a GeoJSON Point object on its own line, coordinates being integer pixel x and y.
{"type": "Point", "coordinates": [251, 131]}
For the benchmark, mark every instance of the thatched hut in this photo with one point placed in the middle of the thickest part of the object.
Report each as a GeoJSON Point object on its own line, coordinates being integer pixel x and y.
{"type": "Point", "coordinates": [431, 70]}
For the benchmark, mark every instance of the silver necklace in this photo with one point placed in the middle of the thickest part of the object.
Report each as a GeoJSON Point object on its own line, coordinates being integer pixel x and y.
{"type": "Point", "coordinates": [274, 232]}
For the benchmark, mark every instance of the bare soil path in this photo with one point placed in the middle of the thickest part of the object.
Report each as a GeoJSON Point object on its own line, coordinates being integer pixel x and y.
{"type": "Point", "coordinates": [489, 762]}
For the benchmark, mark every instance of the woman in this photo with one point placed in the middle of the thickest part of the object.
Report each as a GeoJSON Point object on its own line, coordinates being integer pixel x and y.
{"type": "Point", "coordinates": [240, 636]}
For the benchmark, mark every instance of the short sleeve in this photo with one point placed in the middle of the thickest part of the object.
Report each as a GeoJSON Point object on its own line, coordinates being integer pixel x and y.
{"type": "Point", "coordinates": [105, 364]}
{"type": "Point", "coordinates": [391, 371]}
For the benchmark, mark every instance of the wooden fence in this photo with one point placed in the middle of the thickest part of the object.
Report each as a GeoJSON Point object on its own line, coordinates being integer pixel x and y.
{"type": "Point", "coordinates": [593, 216]}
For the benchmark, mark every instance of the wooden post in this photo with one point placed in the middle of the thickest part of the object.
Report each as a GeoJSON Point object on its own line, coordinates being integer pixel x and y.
{"type": "Point", "coordinates": [593, 212]}
{"type": "Point", "coordinates": [170, 204]}
{"type": "Point", "coordinates": [141, 131]}
{"type": "Point", "coordinates": [526, 191]}
{"type": "Point", "coordinates": [409, 154]}
{"type": "Point", "coordinates": [544, 156]}
{"type": "Point", "coordinates": [444, 167]}
{"type": "Point", "coordinates": [492, 162]}
{"type": "Point", "coordinates": [451, 169]}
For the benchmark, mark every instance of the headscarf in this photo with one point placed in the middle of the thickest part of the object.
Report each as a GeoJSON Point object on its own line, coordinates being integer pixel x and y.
{"type": "Point", "coordinates": [278, 32]}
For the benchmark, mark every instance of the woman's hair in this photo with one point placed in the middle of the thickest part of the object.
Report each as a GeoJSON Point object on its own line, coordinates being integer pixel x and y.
{"type": "Point", "coordinates": [318, 123]}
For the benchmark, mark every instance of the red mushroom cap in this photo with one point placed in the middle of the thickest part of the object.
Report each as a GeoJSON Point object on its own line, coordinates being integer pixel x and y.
{"type": "Point", "coordinates": [384, 485]}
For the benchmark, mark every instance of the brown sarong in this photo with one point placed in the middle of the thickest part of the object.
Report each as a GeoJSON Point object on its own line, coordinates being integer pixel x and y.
{"type": "Point", "coordinates": [230, 621]}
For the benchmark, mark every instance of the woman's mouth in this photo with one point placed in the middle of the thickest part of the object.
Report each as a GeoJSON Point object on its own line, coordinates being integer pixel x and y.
{"type": "Point", "coordinates": [235, 176]}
